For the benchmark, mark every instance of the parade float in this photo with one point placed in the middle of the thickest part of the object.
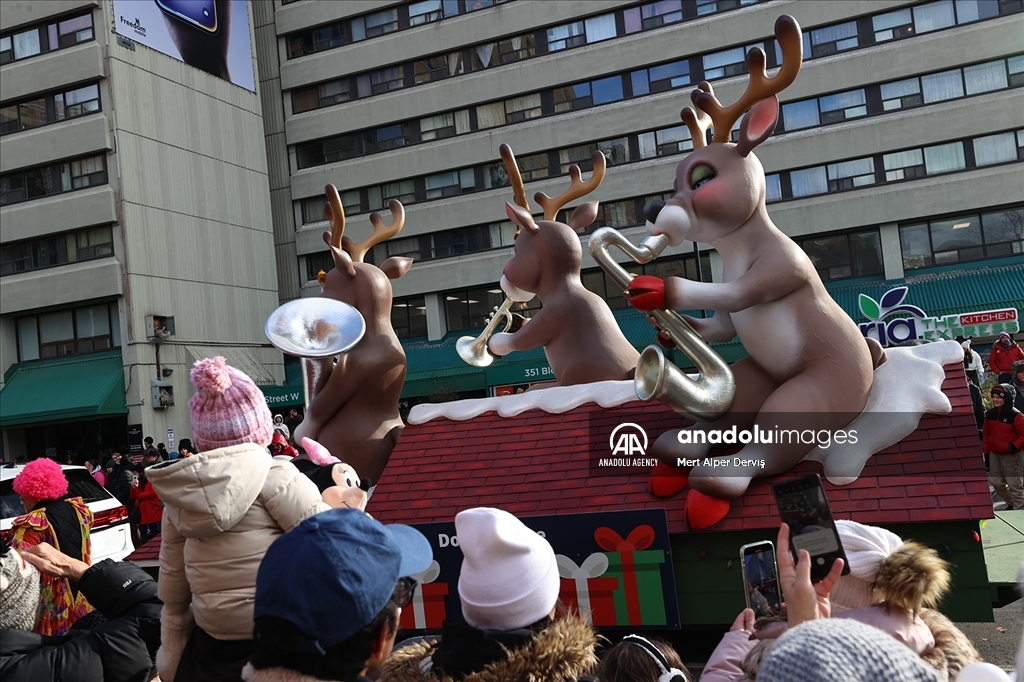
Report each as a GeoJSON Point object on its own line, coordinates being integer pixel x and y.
{"type": "Point", "coordinates": [645, 484]}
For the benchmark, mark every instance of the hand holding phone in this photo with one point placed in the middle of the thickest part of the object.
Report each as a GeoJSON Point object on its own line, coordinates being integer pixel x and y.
{"type": "Point", "coordinates": [804, 600]}
{"type": "Point", "coordinates": [804, 507]}
{"type": "Point", "coordinates": [761, 579]}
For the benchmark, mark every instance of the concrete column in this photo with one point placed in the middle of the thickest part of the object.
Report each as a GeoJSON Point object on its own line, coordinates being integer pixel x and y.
{"type": "Point", "coordinates": [437, 324]}
{"type": "Point", "coordinates": [892, 252]}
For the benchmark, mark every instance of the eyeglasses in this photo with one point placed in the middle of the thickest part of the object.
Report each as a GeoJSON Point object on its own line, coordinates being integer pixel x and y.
{"type": "Point", "coordinates": [404, 589]}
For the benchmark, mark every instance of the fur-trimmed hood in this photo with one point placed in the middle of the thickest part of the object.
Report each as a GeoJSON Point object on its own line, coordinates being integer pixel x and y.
{"type": "Point", "coordinates": [562, 651]}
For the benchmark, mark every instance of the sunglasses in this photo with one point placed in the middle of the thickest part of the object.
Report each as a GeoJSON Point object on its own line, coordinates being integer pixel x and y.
{"type": "Point", "coordinates": [404, 590]}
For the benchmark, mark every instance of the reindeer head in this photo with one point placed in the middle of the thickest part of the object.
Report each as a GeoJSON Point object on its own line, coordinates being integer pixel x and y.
{"type": "Point", "coordinates": [362, 285]}
{"type": "Point", "coordinates": [720, 186]}
{"type": "Point", "coordinates": [546, 252]}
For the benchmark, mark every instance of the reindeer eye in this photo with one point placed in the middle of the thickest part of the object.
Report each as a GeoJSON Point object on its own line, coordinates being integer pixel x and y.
{"type": "Point", "coordinates": [700, 174]}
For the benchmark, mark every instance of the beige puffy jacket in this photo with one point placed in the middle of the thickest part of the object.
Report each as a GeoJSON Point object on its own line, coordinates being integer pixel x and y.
{"type": "Point", "coordinates": [222, 510]}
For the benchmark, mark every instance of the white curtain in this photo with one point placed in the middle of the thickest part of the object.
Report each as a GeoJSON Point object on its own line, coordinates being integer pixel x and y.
{"type": "Point", "coordinates": [944, 158]}
{"type": "Point", "coordinates": [985, 77]}
{"type": "Point", "coordinates": [942, 86]}
{"type": "Point", "coordinates": [995, 149]}
{"type": "Point", "coordinates": [600, 28]}
{"type": "Point", "coordinates": [809, 181]}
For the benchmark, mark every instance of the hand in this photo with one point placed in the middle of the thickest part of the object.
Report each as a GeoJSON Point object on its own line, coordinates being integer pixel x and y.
{"type": "Point", "coordinates": [804, 600]}
{"type": "Point", "coordinates": [744, 622]}
{"type": "Point", "coordinates": [646, 293]}
{"type": "Point", "coordinates": [771, 631]}
{"type": "Point", "coordinates": [50, 561]}
{"type": "Point", "coordinates": [663, 339]}
{"type": "Point", "coordinates": [500, 344]}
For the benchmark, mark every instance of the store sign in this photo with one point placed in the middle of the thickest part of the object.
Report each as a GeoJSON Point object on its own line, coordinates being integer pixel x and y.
{"type": "Point", "coordinates": [919, 325]}
{"type": "Point", "coordinates": [615, 568]}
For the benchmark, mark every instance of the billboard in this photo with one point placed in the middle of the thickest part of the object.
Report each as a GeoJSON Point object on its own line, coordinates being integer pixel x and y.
{"type": "Point", "coordinates": [211, 35]}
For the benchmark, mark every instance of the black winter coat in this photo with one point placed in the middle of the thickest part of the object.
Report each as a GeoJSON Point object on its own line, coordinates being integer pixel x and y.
{"type": "Point", "coordinates": [122, 649]}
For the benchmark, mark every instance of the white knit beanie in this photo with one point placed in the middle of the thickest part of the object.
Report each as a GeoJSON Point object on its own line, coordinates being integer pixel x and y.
{"type": "Point", "coordinates": [865, 547]}
{"type": "Point", "coordinates": [509, 575]}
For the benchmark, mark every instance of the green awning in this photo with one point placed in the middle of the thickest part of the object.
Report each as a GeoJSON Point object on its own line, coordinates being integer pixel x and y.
{"type": "Point", "coordinates": [444, 382]}
{"type": "Point", "coordinates": [63, 389]}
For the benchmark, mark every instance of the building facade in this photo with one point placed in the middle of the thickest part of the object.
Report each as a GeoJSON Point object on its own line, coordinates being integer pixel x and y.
{"type": "Point", "coordinates": [896, 159]}
{"type": "Point", "coordinates": [136, 234]}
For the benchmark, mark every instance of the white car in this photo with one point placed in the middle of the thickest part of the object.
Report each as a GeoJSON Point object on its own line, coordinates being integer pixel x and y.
{"type": "Point", "coordinates": [111, 536]}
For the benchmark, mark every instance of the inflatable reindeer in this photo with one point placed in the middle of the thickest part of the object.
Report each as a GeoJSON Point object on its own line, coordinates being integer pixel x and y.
{"type": "Point", "coordinates": [809, 365]}
{"type": "Point", "coordinates": [354, 410]}
{"type": "Point", "coordinates": [576, 327]}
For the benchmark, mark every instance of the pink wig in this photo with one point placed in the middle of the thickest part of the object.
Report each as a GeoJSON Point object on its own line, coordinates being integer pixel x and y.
{"type": "Point", "coordinates": [42, 479]}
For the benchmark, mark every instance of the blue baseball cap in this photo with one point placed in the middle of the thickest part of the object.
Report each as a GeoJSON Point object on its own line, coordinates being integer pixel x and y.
{"type": "Point", "coordinates": [333, 573]}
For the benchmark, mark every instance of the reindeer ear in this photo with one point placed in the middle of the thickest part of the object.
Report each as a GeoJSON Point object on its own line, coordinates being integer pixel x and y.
{"type": "Point", "coordinates": [521, 217]}
{"type": "Point", "coordinates": [583, 215]}
{"type": "Point", "coordinates": [343, 261]}
{"type": "Point", "coordinates": [758, 124]}
{"type": "Point", "coordinates": [396, 266]}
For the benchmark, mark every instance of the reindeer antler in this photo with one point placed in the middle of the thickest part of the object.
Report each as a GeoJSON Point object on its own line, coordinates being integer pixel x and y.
{"type": "Point", "coordinates": [335, 213]}
{"type": "Point", "coordinates": [518, 191]}
{"type": "Point", "coordinates": [577, 188]}
{"type": "Point", "coordinates": [697, 120]}
{"type": "Point", "coordinates": [760, 87]}
{"type": "Point", "coordinates": [381, 232]}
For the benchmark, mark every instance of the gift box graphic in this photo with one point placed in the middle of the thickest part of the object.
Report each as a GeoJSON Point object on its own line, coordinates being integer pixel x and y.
{"type": "Point", "coordinates": [585, 591]}
{"type": "Point", "coordinates": [426, 612]}
{"type": "Point", "coordinates": [640, 598]}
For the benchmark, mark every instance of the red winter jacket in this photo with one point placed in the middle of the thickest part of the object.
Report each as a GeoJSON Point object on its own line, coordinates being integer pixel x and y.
{"type": "Point", "coordinates": [150, 510]}
{"type": "Point", "coordinates": [997, 433]}
{"type": "Point", "coordinates": [1001, 359]}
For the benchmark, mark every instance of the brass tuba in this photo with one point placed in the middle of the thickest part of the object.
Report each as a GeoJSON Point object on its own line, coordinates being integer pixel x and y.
{"type": "Point", "coordinates": [709, 396]}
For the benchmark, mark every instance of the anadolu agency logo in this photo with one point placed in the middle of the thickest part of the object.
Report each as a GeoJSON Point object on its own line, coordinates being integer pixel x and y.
{"type": "Point", "coordinates": [628, 440]}
{"type": "Point", "coordinates": [135, 26]}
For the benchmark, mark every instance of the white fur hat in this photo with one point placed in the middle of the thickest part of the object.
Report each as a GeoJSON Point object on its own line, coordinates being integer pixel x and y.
{"type": "Point", "coordinates": [865, 547]}
{"type": "Point", "coordinates": [509, 576]}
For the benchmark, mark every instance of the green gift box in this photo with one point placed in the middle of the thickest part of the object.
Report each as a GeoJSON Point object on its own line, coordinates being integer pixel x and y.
{"type": "Point", "coordinates": [640, 597]}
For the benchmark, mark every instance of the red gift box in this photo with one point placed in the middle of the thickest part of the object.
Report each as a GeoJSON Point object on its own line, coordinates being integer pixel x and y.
{"type": "Point", "coordinates": [426, 612]}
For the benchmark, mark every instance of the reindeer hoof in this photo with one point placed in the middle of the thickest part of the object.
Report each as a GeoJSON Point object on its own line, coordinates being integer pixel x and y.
{"type": "Point", "coordinates": [703, 511]}
{"type": "Point", "coordinates": [665, 480]}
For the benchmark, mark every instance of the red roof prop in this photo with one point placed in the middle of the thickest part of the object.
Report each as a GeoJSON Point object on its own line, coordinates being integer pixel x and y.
{"type": "Point", "coordinates": [539, 463]}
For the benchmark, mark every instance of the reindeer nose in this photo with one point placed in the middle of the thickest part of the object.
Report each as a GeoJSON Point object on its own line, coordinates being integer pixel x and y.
{"type": "Point", "coordinates": [652, 209]}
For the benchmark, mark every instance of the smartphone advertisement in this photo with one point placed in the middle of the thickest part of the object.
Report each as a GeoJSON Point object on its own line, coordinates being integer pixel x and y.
{"type": "Point", "coordinates": [210, 35]}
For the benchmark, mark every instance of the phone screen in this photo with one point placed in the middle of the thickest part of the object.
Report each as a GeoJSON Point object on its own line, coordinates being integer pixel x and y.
{"type": "Point", "coordinates": [761, 579]}
{"type": "Point", "coordinates": [804, 508]}
{"type": "Point", "coordinates": [199, 13]}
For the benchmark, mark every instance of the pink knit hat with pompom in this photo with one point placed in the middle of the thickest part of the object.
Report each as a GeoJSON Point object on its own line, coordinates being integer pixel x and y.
{"type": "Point", "coordinates": [228, 408]}
{"type": "Point", "coordinates": [42, 479]}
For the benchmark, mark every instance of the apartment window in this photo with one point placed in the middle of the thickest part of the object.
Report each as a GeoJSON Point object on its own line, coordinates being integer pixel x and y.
{"type": "Point", "coordinates": [963, 238]}
{"type": "Point", "coordinates": [713, 6]}
{"type": "Point", "coordinates": [566, 35]}
{"type": "Point", "coordinates": [380, 196]}
{"type": "Point", "coordinates": [652, 16]}
{"type": "Point", "coordinates": [976, 10]}
{"type": "Point", "coordinates": [600, 28]}
{"type": "Point", "coordinates": [800, 115]}
{"type": "Point", "coordinates": [509, 111]}
{"type": "Point", "coordinates": [444, 125]}
{"type": "Point", "coordinates": [323, 95]}
{"type": "Point", "coordinates": [985, 77]}
{"type": "Point", "coordinates": [470, 309]}
{"type": "Point", "coordinates": [833, 39]}
{"type": "Point", "coordinates": [944, 158]}
{"type": "Point", "coordinates": [615, 214]}
{"type": "Point", "coordinates": [384, 80]}
{"type": "Point", "coordinates": [331, 150]}
{"type": "Point", "coordinates": [665, 142]}
{"type": "Point", "coordinates": [449, 184]}
{"type": "Point", "coordinates": [425, 12]}
{"type": "Point", "coordinates": [901, 94]}
{"type": "Point", "coordinates": [531, 167]}
{"type": "Point", "coordinates": [999, 148]}
{"type": "Point", "coordinates": [892, 25]}
{"type": "Point", "coordinates": [68, 332]}
{"type": "Point", "coordinates": [460, 241]}
{"type": "Point", "coordinates": [436, 68]}
{"type": "Point", "coordinates": [46, 38]}
{"type": "Point", "coordinates": [409, 316]}
{"type": "Point", "coordinates": [725, 63]}
{"type": "Point", "coordinates": [660, 78]}
{"type": "Point", "coordinates": [52, 179]}
{"type": "Point", "coordinates": [846, 255]}
{"type": "Point", "coordinates": [773, 187]}
{"type": "Point", "coordinates": [387, 137]}
{"type": "Point", "coordinates": [904, 165]}
{"type": "Point", "coordinates": [573, 97]}
{"type": "Point", "coordinates": [1016, 68]}
{"type": "Point", "coordinates": [809, 181]}
{"type": "Point", "coordinates": [939, 87]}
{"type": "Point", "coordinates": [317, 263]}
{"type": "Point", "coordinates": [520, 47]}
{"type": "Point", "coordinates": [313, 211]}
{"type": "Point", "coordinates": [850, 174]}
{"type": "Point", "coordinates": [45, 252]}
{"type": "Point", "coordinates": [933, 16]}
{"type": "Point", "coordinates": [835, 108]}
{"type": "Point", "coordinates": [373, 25]}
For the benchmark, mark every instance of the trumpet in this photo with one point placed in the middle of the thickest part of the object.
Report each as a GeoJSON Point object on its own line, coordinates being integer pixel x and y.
{"type": "Point", "coordinates": [473, 350]}
{"type": "Point", "coordinates": [709, 396]}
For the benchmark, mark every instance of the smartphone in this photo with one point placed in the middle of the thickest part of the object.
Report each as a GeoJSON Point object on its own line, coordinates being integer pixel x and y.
{"type": "Point", "coordinates": [761, 578]}
{"type": "Point", "coordinates": [199, 13]}
{"type": "Point", "coordinates": [804, 508]}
